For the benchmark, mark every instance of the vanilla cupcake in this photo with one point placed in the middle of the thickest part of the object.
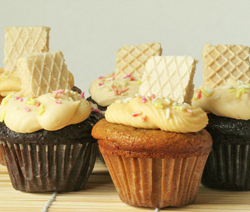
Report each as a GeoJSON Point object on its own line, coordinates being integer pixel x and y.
{"type": "Point", "coordinates": [155, 150]}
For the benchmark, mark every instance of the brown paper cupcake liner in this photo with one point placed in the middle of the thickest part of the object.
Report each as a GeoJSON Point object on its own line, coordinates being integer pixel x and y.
{"type": "Point", "coordinates": [2, 161]}
{"type": "Point", "coordinates": [156, 182]}
{"type": "Point", "coordinates": [41, 168]}
{"type": "Point", "coordinates": [228, 167]}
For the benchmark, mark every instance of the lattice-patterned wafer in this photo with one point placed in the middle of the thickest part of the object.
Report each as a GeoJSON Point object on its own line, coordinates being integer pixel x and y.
{"type": "Point", "coordinates": [223, 62]}
{"type": "Point", "coordinates": [169, 76]}
{"type": "Point", "coordinates": [132, 59]}
{"type": "Point", "coordinates": [20, 41]}
{"type": "Point", "coordinates": [42, 73]}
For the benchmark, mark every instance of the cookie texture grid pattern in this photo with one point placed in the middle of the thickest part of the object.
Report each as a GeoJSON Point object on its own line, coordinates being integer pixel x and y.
{"type": "Point", "coordinates": [223, 62]}
{"type": "Point", "coordinates": [20, 41]}
{"type": "Point", "coordinates": [132, 59]}
{"type": "Point", "coordinates": [170, 76]}
{"type": "Point", "coordinates": [48, 70]}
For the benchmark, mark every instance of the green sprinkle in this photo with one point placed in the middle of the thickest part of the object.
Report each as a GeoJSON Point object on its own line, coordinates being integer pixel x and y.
{"type": "Point", "coordinates": [231, 90]}
{"type": "Point", "coordinates": [204, 92]}
{"type": "Point", "coordinates": [2, 116]}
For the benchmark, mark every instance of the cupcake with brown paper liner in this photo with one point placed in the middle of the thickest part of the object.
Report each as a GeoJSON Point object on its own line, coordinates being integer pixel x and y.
{"type": "Point", "coordinates": [19, 42]}
{"type": "Point", "coordinates": [154, 147]}
{"type": "Point", "coordinates": [46, 128]}
{"type": "Point", "coordinates": [225, 96]}
{"type": "Point", "coordinates": [125, 81]}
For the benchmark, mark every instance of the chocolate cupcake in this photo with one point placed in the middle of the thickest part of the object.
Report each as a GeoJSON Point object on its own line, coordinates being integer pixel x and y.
{"type": "Point", "coordinates": [154, 151]}
{"type": "Point", "coordinates": [49, 146]}
{"type": "Point", "coordinates": [227, 166]}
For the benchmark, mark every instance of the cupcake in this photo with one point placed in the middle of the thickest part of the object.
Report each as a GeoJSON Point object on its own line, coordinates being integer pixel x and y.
{"type": "Point", "coordinates": [225, 96]}
{"type": "Point", "coordinates": [124, 83]}
{"type": "Point", "coordinates": [155, 148]}
{"type": "Point", "coordinates": [48, 147]}
{"type": "Point", "coordinates": [36, 41]}
{"type": "Point", "coordinates": [229, 113]}
{"type": "Point", "coordinates": [46, 128]}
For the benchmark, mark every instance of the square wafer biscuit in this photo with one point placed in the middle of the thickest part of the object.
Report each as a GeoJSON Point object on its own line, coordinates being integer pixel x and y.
{"type": "Point", "coordinates": [169, 76]}
{"type": "Point", "coordinates": [43, 73]}
{"type": "Point", "coordinates": [132, 59]}
{"type": "Point", "coordinates": [223, 62]}
{"type": "Point", "coordinates": [20, 41]}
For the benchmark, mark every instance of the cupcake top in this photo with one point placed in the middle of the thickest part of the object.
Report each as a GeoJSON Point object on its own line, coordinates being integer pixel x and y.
{"type": "Point", "coordinates": [230, 100]}
{"type": "Point", "coordinates": [106, 89]}
{"type": "Point", "coordinates": [50, 111]}
{"type": "Point", "coordinates": [157, 113]}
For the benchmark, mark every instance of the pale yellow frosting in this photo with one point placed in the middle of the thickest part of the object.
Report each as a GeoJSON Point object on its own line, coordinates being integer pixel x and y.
{"type": "Point", "coordinates": [231, 100]}
{"type": "Point", "coordinates": [53, 113]}
{"type": "Point", "coordinates": [103, 92]}
{"type": "Point", "coordinates": [157, 114]}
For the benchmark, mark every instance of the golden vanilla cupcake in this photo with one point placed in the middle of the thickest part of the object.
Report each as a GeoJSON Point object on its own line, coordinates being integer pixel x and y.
{"type": "Point", "coordinates": [156, 148]}
{"type": "Point", "coordinates": [125, 81]}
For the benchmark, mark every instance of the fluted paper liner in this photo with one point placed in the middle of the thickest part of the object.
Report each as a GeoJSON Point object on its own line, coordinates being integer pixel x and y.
{"type": "Point", "coordinates": [156, 182]}
{"type": "Point", "coordinates": [228, 167]}
{"type": "Point", "coordinates": [40, 168]}
{"type": "Point", "coordinates": [2, 161]}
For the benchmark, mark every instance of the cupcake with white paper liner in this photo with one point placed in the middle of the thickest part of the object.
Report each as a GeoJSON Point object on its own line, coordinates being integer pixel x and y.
{"type": "Point", "coordinates": [46, 128]}
{"type": "Point", "coordinates": [154, 147]}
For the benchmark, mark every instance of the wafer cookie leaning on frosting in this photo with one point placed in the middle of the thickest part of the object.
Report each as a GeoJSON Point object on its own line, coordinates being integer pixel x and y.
{"type": "Point", "coordinates": [156, 138]}
{"type": "Point", "coordinates": [49, 124]}
{"type": "Point", "coordinates": [225, 95]}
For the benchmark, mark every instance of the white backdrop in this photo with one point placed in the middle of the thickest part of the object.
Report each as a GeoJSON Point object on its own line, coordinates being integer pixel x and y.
{"type": "Point", "coordinates": [89, 32]}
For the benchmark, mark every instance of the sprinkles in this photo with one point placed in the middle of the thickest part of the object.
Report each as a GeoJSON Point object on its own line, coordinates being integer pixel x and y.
{"type": "Point", "coordinates": [27, 109]}
{"type": "Point", "coordinates": [144, 118]}
{"type": "Point", "coordinates": [189, 111]}
{"type": "Point", "coordinates": [3, 116]}
{"type": "Point", "coordinates": [136, 113]}
{"type": "Point", "coordinates": [143, 99]}
{"type": "Point", "coordinates": [168, 113]}
{"type": "Point", "coordinates": [82, 95]}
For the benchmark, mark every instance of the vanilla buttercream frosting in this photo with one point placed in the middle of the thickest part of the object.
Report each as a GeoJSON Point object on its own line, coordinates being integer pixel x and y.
{"type": "Point", "coordinates": [51, 111]}
{"type": "Point", "coordinates": [158, 113]}
{"type": "Point", "coordinates": [106, 89]}
{"type": "Point", "coordinates": [231, 100]}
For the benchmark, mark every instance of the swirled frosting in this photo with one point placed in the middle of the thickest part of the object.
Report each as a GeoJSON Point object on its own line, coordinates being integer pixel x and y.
{"type": "Point", "coordinates": [106, 89]}
{"type": "Point", "coordinates": [158, 113]}
{"type": "Point", "coordinates": [10, 83]}
{"type": "Point", "coordinates": [51, 111]}
{"type": "Point", "coordinates": [231, 100]}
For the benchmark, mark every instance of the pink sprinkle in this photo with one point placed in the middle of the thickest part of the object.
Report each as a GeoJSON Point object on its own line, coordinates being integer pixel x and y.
{"type": "Point", "coordinates": [21, 99]}
{"type": "Point", "coordinates": [38, 104]}
{"type": "Point", "coordinates": [17, 98]}
{"type": "Point", "coordinates": [27, 109]}
{"type": "Point", "coordinates": [101, 77]}
{"type": "Point", "coordinates": [144, 118]}
{"type": "Point", "coordinates": [113, 75]}
{"type": "Point", "coordinates": [58, 101]}
{"type": "Point", "coordinates": [60, 91]}
{"type": "Point", "coordinates": [189, 111]}
{"type": "Point", "coordinates": [82, 94]}
{"type": "Point", "coordinates": [127, 76]}
{"type": "Point", "coordinates": [152, 96]}
{"type": "Point", "coordinates": [143, 99]}
{"type": "Point", "coordinates": [136, 113]}
{"type": "Point", "coordinates": [101, 83]}
{"type": "Point", "coordinates": [95, 110]}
